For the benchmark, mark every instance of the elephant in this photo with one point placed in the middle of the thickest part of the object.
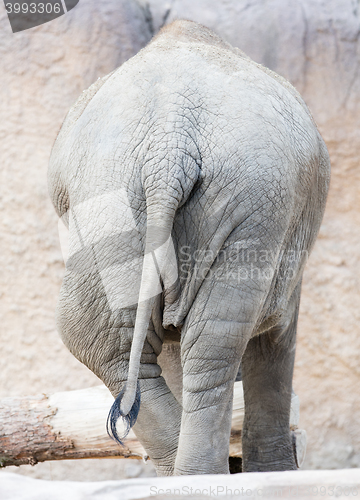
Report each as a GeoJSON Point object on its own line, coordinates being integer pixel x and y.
{"type": "Point", "coordinates": [193, 182]}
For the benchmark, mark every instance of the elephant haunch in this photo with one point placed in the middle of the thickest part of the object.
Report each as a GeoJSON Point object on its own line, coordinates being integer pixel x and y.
{"type": "Point", "coordinates": [192, 182]}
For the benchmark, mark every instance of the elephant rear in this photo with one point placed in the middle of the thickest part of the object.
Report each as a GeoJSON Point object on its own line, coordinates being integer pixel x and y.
{"type": "Point", "coordinates": [193, 182]}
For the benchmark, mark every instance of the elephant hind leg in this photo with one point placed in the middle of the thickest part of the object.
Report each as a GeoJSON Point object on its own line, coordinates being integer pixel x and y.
{"type": "Point", "coordinates": [158, 424]}
{"type": "Point", "coordinates": [214, 336]}
{"type": "Point", "coordinates": [267, 370]}
{"type": "Point", "coordinates": [210, 366]}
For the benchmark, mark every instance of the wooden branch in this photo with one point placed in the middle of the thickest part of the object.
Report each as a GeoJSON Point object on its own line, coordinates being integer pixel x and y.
{"type": "Point", "coordinates": [62, 426]}
{"type": "Point", "coordinates": [69, 425]}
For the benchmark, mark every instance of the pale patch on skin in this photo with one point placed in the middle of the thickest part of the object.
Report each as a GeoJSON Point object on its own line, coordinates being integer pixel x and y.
{"type": "Point", "coordinates": [122, 281]}
{"type": "Point", "coordinates": [113, 217]}
{"type": "Point", "coordinates": [64, 239]}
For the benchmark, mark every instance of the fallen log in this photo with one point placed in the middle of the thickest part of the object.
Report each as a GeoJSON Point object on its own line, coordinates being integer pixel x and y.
{"type": "Point", "coordinates": [71, 425]}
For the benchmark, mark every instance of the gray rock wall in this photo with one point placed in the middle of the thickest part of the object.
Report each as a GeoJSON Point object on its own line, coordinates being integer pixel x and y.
{"type": "Point", "coordinates": [315, 44]}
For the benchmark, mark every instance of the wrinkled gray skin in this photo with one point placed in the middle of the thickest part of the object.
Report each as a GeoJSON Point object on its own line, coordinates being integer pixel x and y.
{"type": "Point", "coordinates": [190, 140]}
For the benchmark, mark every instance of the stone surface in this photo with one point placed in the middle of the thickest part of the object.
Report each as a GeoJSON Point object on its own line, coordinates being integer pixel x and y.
{"type": "Point", "coordinates": [315, 44]}
{"type": "Point", "coordinates": [294, 484]}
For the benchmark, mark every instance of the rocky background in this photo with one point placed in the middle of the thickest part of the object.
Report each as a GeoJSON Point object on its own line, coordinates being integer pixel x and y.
{"type": "Point", "coordinates": [313, 43]}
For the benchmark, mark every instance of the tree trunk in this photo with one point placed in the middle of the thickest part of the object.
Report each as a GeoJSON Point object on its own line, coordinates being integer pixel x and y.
{"type": "Point", "coordinates": [72, 424]}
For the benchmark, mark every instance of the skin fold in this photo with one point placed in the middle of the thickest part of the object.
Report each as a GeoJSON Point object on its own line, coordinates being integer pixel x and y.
{"type": "Point", "coordinates": [193, 182]}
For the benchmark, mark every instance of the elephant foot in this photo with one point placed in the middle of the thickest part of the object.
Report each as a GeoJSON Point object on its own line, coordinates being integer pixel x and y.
{"type": "Point", "coordinates": [276, 454]}
{"type": "Point", "coordinates": [164, 470]}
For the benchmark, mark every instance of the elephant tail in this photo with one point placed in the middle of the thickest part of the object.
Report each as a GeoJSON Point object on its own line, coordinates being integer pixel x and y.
{"type": "Point", "coordinates": [159, 271]}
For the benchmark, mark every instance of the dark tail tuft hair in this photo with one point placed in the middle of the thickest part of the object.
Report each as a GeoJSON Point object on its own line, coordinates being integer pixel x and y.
{"type": "Point", "coordinates": [129, 419]}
